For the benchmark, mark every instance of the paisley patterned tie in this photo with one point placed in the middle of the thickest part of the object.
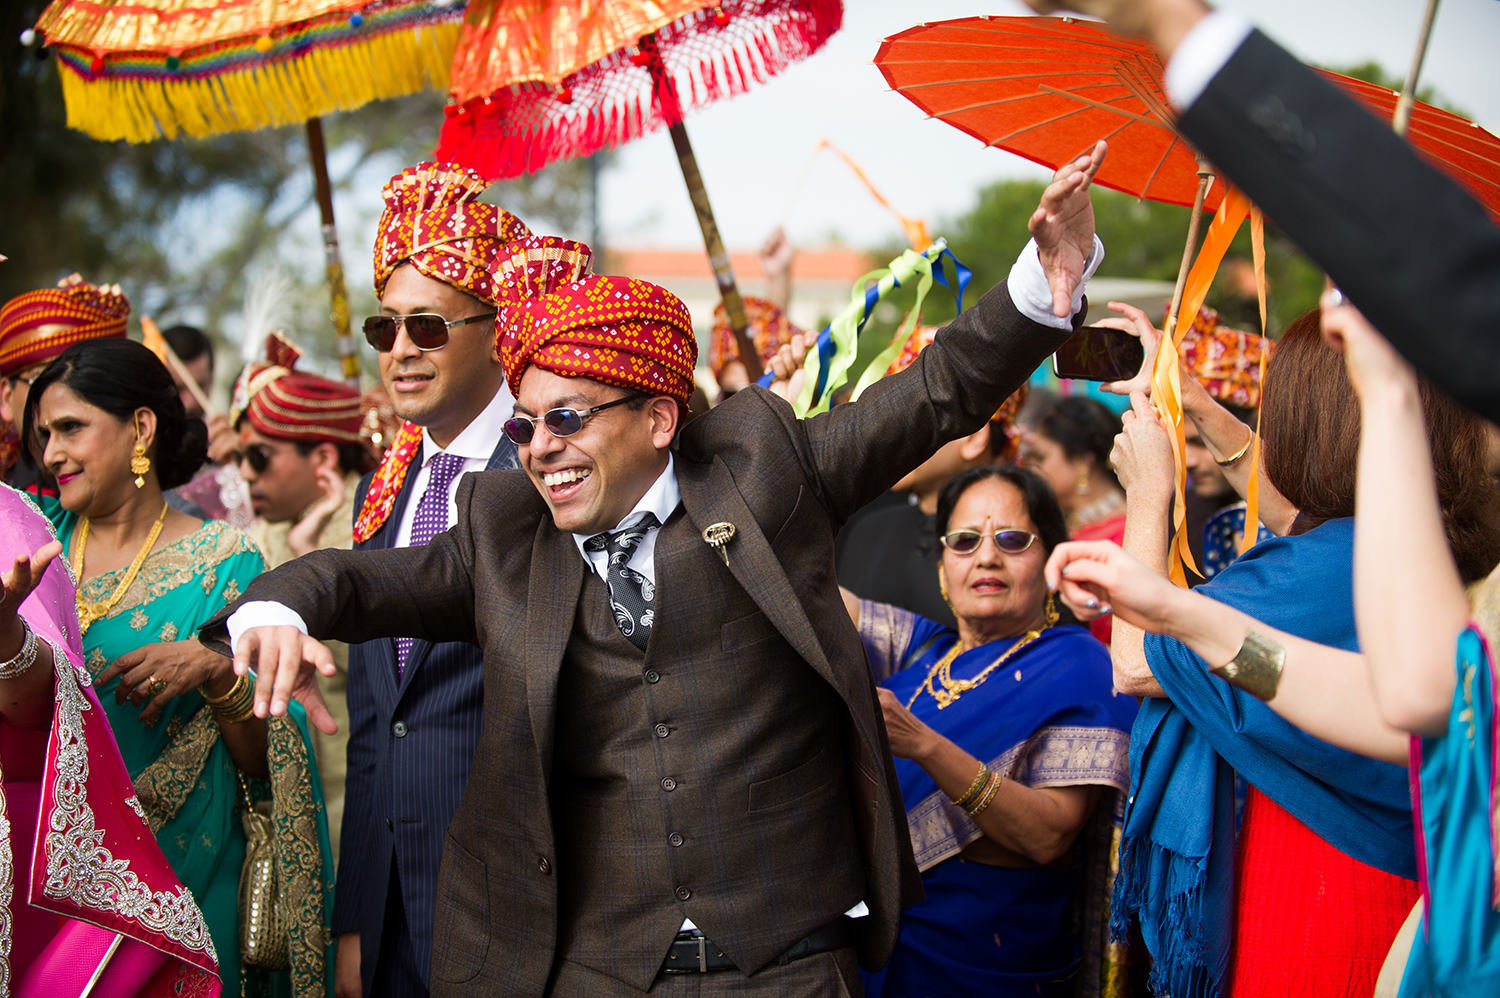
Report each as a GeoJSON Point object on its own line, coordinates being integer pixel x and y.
{"type": "Point", "coordinates": [431, 519]}
{"type": "Point", "coordinates": [630, 593]}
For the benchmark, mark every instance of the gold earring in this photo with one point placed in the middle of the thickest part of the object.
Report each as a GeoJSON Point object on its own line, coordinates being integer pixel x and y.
{"type": "Point", "coordinates": [943, 586]}
{"type": "Point", "coordinates": [140, 464]}
{"type": "Point", "coordinates": [1081, 485]}
{"type": "Point", "coordinates": [1049, 612]}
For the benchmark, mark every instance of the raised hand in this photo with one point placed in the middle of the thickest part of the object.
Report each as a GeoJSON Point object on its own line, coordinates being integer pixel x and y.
{"type": "Point", "coordinates": [303, 538]}
{"type": "Point", "coordinates": [1142, 455]}
{"type": "Point", "coordinates": [1063, 227]}
{"type": "Point", "coordinates": [286, 663]}
{"type": "Point", "coordinates": [1373, 363]}
{"type": "Point", "coordinates": [1097, 577]}
{"type": "Point", "coordinates": [788, 367]}
{"type": "Point", "coordinates": [24, 576]}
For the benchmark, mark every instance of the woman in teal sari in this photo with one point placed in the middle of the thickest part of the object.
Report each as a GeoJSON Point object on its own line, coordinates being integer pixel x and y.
{"type": "Point", "coordinates": [1010, 747]}
{"type": "Point", "coordinates": [105, 421]}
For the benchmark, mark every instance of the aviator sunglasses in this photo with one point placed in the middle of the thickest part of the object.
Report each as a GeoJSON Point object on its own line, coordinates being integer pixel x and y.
{"type": "Point", "coordinates": [1011, 540]}
{"type": "Point", "coordinates": [428, 331]}
{"type": "Point", "coordinates": [560, 422]}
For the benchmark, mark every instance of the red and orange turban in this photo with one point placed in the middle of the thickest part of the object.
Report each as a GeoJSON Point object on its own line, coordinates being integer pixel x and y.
{"type": "Point", "coordinates": [618, 330]}
{"type": "Point", "coordinates": [1225, 361]}
{"type": "Point", "coordinates": [433, 218]}
{"type": "Point", "coordinates": [769, 330]}
{"type": "Point", "coordinates": [1004, 419]}
{"type": "Point", "coordinates": [292, 405]}
{"type": "Point", "coordinates": [37, 326]}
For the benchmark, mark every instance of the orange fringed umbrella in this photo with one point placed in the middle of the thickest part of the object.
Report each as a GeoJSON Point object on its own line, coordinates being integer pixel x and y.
{"type": "Point", "coordinates": [539, 80]}
{"type": "Point", "coordinates": [151, 69]}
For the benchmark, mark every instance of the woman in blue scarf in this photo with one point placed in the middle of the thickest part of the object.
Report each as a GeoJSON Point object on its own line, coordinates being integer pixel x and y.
{"type": "Point", "coordinates": [1010, 748]}
{"type": "Point", "coordinates": [1322, 854]}
{"type": "Point", "coordinates": [1415, 679]}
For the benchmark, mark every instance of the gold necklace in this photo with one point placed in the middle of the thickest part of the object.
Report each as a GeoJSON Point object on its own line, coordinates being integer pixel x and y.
{"type": "Point", "coordinates": [947, 690]}
{"type": "Point", "coordinates": [90, 611]}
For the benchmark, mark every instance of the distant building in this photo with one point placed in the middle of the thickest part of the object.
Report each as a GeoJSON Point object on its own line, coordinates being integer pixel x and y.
{"type": "Point", "coordinates": [821, 280]}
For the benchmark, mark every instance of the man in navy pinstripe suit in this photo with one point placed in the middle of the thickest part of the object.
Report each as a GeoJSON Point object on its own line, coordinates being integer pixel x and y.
{"type": "Point", "coordinates": [415, 706]}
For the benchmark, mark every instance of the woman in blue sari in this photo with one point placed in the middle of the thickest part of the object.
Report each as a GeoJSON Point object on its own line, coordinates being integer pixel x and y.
{"type": "Point", "coordinates": [1010, 747]}
{"type": "Point", "coordinates": [105, 421]}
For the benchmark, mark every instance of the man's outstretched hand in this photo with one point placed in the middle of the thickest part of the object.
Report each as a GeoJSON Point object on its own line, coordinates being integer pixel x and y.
{"type": "Point", "coordinates": [1063, 226]}
{"type": "Point", "coordinates": [286, 663]}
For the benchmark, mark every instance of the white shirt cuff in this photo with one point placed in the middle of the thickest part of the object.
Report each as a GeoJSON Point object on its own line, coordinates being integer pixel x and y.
{"type": "Point", "coordinates": [1202, 52]}
{"type": "Point", "coordinates": [262, 613]}
{"type": "Point", "coordinates": [1028, 288]}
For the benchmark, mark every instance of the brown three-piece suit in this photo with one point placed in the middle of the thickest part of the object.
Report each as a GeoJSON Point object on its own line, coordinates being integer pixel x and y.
{"type": "Point", "coordinates": [736, 772]}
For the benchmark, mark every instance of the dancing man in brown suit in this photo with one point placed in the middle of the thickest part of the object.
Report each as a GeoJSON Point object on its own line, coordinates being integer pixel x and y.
{"type": "Point", "coordinates": [683, 782]}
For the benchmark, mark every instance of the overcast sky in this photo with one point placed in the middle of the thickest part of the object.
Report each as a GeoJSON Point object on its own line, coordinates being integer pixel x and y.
{"type": "Point", "coordinates": [755, 151]}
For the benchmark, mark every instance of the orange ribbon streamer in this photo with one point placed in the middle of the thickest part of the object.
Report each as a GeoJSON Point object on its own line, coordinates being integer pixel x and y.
{"type": "Point", "coordinates": [1251, 532]}
{"type": "Point", "coordinates": [1166, 375]}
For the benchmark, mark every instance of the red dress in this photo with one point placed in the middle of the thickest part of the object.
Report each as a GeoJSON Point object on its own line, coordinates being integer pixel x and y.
{"type": "Point", "coordinates": [1309, 919]}
{"type": "Point", "coordinates": [1108, 528]}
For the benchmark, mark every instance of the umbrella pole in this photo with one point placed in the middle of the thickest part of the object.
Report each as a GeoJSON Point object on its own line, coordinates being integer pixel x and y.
{"type": "Point", "coordinates": [1409, 92]}
{"type": "Point", "coordinates": [338, 293]}
{"type": "Point", "coordinates": [1205, 177]}
{"type": "Point", "coordinates": [734, 306]}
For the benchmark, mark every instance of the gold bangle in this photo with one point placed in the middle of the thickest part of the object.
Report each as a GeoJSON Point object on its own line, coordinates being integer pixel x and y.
{"type": "Point", "coordinates": [235, 706]}
{"type": "Point", "coordinates": [1256, 668]}
{"type": "Point", "coordinates": [1235, 457]}
{"type": "Point", "coordinates": [991, 788]}
{"type": "Point", "coordinates": [975, 788]}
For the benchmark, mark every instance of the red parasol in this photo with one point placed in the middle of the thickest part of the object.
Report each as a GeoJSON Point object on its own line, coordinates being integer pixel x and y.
{"type": "Point", "coordinates": [552, 79]}
{"type": "Point", "coordinates": [1045, 88]}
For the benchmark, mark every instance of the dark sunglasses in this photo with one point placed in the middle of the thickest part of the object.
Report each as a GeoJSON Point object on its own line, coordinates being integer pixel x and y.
{"type": "Point", "coordinates": [428, 331]}
{"type": "Point", "coordinates": [1011, 540]}
{"type": "Point", "coordinates": [561, 422]}
{"type": "Point", "coordinates": [258, 456]}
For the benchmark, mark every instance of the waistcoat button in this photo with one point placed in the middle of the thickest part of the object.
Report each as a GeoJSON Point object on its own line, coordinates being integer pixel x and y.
{"type": "Point", "coordinates": [683, 893]}
{"type": "Point", "coordinates": [675, 839]}
{"type": "Point", "coordinates": [543, 866]}
{"type": "Point", "coordinates": [399, 729]}
{"type": "Point", "coordinates": [652, 676]}
{"type": "Point", "coordinates": [668, 784]}
{"type": "Point", "coordinates": [662, 731]}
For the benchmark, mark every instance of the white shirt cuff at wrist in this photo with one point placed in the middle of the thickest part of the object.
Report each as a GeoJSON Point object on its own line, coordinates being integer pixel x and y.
{"type": "Point", "coordinates": [1202, 52]}
{"type": "Point", "coordinates": [262, 613]}
{"type": "Point", "coordinates": [1028, 288]}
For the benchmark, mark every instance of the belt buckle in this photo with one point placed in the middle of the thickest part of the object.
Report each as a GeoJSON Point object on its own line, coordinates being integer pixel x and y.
{"type": "Point", "coordinates": [702, 954]}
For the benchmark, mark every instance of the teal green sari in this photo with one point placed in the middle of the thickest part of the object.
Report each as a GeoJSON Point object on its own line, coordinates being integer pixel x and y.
{"type": "Point", "coordinates": [184, 777]}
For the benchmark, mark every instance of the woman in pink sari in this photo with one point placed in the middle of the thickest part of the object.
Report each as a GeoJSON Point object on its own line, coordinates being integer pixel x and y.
{"type": "Point", "coordinates": [88, 903]}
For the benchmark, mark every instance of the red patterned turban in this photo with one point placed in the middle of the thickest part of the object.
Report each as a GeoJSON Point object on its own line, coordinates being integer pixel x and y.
{"type": "Point", "coordinates": [618, 330]}
{"type": "Point", "coordinates": [1004, 419]}
{"type": "Point", "coordinates": [1225, 361]}
{"type": "Point", "coordinates": [291, 405]}
{"type": "Point", "coordinates": [433, 218]}
{"type": "Point", "coordinates": [38, 325]}
{"type": "Point", "coordinates": [769, 330]}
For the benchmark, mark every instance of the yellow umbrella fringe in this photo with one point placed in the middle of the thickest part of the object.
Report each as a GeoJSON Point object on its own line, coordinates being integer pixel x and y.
{"type": "Point", "coordinates": [330, 79]}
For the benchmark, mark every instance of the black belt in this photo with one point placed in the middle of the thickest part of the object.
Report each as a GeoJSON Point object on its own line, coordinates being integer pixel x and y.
{"type": "Point", "coordinates": [694, 953]}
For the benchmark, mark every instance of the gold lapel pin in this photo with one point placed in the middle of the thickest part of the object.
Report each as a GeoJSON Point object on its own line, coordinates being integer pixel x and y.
{"type": "Point", "coordinates": [718, 535]}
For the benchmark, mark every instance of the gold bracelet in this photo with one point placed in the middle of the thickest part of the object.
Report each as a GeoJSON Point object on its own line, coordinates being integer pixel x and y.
{"type": "Point", "coordinates": [235, 706]}
{"type": "Point", "coordinates": [991, 788]}
{"type": "Point", "coordinates": [975, 788]}
{"type": "Point", "coordinates": [1256, 668]}
{"type": "Point", "coordinates": [1235, 457]}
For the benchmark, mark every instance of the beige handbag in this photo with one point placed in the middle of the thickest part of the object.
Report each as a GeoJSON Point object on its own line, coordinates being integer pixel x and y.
{"type": "Point", "coordinates": [263, 929]}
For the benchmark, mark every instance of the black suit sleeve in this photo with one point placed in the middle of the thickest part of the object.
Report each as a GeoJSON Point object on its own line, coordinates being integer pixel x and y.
{"type": "Point", "coordinates": [1412, 249]}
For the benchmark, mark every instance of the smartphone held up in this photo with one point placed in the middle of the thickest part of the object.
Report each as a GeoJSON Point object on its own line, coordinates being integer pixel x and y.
{"type": "Point", "coordinates": [1098, 353]}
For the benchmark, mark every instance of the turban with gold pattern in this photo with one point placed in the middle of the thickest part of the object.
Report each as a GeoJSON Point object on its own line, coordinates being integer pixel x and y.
{"type": "Point", "coordinates": [37, 326]}
{"type": "Point", "coordinates": [434, 219]}
{"type": "Point", "coordinates": [618, 330]}
{"type": "Point", "coordinates": [1225, 361]}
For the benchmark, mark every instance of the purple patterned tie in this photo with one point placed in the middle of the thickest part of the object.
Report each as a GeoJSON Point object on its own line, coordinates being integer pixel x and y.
{"type": "Point", "coordinates": [430, 520]}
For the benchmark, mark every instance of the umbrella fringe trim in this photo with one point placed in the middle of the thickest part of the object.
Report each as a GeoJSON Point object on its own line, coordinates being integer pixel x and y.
{"type": "Point", "coordinates": [511, 133]}
{"type": "Point", "coordinates": [321, 80]}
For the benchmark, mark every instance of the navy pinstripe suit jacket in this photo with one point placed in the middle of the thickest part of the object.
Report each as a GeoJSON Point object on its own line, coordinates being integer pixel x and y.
{"type": "Point", "coordinates": [411, 745]}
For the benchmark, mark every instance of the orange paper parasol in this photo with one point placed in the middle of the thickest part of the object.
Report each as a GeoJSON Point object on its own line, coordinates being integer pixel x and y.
{"type": "Point", "coordinates": [1045, 88]}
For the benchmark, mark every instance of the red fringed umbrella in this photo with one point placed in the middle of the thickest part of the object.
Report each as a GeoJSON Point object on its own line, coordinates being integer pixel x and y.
{"type": "Point", "coordinates": [551, 79]}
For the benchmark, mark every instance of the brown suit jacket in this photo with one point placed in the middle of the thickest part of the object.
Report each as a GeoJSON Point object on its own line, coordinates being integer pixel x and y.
{"type": "Point", "coordinates": [786, 485]}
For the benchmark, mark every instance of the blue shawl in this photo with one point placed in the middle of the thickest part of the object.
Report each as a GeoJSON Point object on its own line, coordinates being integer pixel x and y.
{"type": "Point", "coordinates": [1177, 860]}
